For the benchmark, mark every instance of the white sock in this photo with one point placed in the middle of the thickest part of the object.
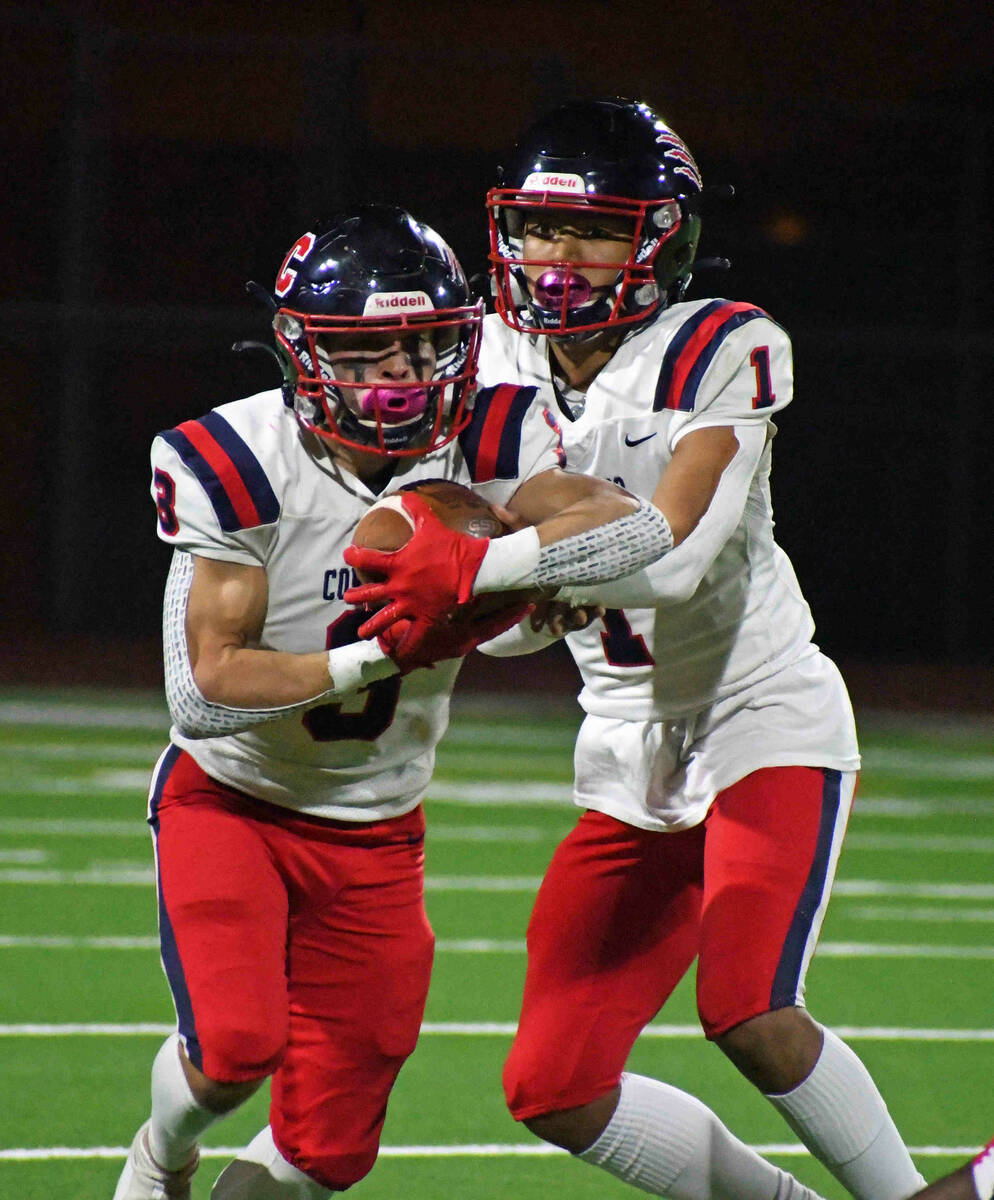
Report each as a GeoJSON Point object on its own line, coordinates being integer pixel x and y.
{"type": "Point", "coordinates": [840, 1116]}
{"type": "Point", "coordinates": [260, 1172]}
{"type": "Point", "coordinates": [666, 1142]}
{"type": "Point", "coordinates": [177, 1118]}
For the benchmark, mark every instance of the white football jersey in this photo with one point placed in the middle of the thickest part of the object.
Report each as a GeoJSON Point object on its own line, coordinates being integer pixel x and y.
{"type": "Point", "coordinates": [239, 485]}
{"type": "Point", "coordinates": [702, 363]}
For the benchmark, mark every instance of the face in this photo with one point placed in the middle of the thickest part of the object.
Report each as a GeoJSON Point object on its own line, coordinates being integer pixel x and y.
{"type": "Point", "coordinates": [380, 375]}
{"type": "Point", "coordinates": [551, 237]}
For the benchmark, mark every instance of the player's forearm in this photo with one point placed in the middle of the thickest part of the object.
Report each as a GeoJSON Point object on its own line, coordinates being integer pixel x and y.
{"type": "Point", "coordinates": [674, 577]}
{"type": "Point", "coordinates": [246, 678]}
{"type": "Point", "coordinates": [595, 552]}
{"type": "Point", "coordinates": [589, 513]}
{"type": "Point", "coordinates": [256, 686]}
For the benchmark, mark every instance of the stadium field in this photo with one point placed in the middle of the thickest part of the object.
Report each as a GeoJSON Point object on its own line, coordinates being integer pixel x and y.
{"type": "Point", "coordinates": [904, 971]}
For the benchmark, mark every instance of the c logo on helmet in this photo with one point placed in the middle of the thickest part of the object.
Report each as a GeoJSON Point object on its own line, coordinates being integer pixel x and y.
{"type": "Point", "coordinates": [298, 252]}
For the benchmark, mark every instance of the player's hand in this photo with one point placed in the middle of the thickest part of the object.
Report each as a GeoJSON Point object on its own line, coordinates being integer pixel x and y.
{"type": "Point", "coordinates": [420, 643]}
{"type": "Point", "coordinates": [559, 618]}
{"type": "Point", "coordinates": [427, 577]}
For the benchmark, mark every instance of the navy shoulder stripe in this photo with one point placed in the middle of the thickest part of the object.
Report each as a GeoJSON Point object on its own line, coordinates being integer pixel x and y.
{"type": "Point", "coordinates": [228, 470]}
{"type": "Point", "coordinates": [692, 351]}
{"type": "Point", "coordinates": [492, 440]}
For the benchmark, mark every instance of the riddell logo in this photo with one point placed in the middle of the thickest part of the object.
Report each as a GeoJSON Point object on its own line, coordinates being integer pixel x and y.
{"type": "Point", "coordinates": [393, 302]}
{"type": "Point", "coordinates": [547, 181]}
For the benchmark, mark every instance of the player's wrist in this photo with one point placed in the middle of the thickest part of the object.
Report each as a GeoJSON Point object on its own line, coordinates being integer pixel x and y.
{"type": "Point", "coordinates": [510, 562]}
{"type": "Point", "coordinates": [358, 665]}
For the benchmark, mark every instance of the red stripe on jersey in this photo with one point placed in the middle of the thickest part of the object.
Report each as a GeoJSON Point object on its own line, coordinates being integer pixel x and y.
{"type": "Point", "coordinates": [696, 345]}
{"type": "Point", "coordinates": [226, 471]}
{"type": "Point", "coordinates": [493, 427]}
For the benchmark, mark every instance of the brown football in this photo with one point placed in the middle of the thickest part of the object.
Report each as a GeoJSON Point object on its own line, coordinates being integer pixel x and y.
{"type": "Point", "coordinates": [384, 527]}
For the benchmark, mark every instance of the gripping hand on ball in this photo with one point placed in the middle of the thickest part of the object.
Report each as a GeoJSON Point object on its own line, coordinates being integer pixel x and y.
{"type": "Point", "coordinates": [425, 579]}
{"type": "Point", "coordinates": [420, 643]}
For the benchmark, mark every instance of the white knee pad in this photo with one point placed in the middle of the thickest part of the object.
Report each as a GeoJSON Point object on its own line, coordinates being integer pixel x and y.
{"type": "Point", "coordinates": [260, 1172]}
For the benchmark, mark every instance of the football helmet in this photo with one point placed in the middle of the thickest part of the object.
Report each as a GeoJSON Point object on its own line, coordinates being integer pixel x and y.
{"type": "Point", "coordinates": [377, 333]}
{"type": "Point", "coordinates": [609, 158]}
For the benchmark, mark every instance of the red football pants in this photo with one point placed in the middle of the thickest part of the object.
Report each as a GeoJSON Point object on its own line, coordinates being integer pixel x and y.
{"type": "Point", "coordinates": [293, 947]}
{"type": "Point", "coordinates": [622, 912]}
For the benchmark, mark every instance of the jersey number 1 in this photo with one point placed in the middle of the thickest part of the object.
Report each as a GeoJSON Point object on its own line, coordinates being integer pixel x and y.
{"type": "Point", "coordinates": [760, 359]}
{"type": "Point", "coordinates": [622, 647]}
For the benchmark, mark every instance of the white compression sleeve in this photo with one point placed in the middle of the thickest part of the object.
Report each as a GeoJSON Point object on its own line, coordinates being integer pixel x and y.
{"type": "Point", "coordinates": [177, 1119]}
{"type": "Point", "coordinates": [842, 1119]}
{"type": "Point", "coordinates": [260, 1172]}
{"type": "Point", "coordinates": [350, 667]}
{"type": "Point", "coordinates": [605, 552]}
{"type": "Point", "coordinates": [677, 575]}
{"type": "Point", "coordinates": [667, 1143]}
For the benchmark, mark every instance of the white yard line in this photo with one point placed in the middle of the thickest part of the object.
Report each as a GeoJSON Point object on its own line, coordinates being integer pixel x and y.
{"type": "Point", "coordinates": [951, 843]}
{"type": "Point", "coordinates": [903, 807]}
{"type": "Point", "coordinates": [905, 912]}
{"type": "Point", "coordinates": [469, 1150]}
{"type": "Point", "coordinates": [869, 1033]}
{"type": "Point", "coordinates": [506, 946]}
{"type": "Point", "coordinates": [76, 827]}
{"type": "Point", "coordinates": [922, 764]}
{"type": "Point", "coordinates": [522, 793]}
{"type": "Point", "coordinates": [128, 873]}
{"type": "Point", "coordinates": [96, 827]}
{"type": "Point", "coordinates": [143, 714]}
{"type": "Point", "coordinates": [23, 857]}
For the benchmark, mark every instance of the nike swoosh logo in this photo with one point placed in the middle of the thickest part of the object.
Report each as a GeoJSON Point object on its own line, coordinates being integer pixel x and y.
{"type": "Point", "coordinates": [629, 441]}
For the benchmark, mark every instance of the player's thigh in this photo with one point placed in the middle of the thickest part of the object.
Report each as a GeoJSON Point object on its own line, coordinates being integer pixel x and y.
{"type": "Point", "coordinates": [359, 970]}
{"type": "Point", "coordinates": [222, 925]}
{"type": "Point", "coordinates": [613, 930]}
{"type": "Point", "coordinates": [771, 849]}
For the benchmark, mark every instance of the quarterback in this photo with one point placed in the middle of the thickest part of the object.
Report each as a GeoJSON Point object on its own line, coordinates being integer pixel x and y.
{"type": "Point", "coordinates": [286, 810]}
{"type": "Point", "coordinates": [717, 761]}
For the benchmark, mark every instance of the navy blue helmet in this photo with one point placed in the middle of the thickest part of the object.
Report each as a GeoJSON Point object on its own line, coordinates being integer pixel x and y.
{"type": "Point", "coordinates": [609, 158]}
{"type": "Point", "coordinates": [355, 285]}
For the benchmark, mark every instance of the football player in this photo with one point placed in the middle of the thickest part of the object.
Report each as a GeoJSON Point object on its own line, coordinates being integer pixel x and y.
{"type": "Point", "coordinates": [718, 758]}
{"type": "Point", "coordinates": [286, 810]}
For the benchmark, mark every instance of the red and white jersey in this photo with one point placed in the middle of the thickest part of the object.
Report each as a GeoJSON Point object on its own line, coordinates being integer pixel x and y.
{"type": "Point", "coordinates": [241, 484]}
{"type": "Point", "coordinates": [702, 363]}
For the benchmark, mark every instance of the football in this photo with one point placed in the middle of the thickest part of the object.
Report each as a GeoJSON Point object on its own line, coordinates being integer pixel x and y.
{"type": "Point", "coordinates": [387, 527]}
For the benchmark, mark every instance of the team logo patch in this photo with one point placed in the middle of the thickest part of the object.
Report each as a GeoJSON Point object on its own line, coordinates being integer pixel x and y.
{"type": "Point", "coordinates": [298, 253]}
{"type": "Point", "coordinates": [678, 157]}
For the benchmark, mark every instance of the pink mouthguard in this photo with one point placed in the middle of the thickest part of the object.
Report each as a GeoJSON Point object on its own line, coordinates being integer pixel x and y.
{"type": "Point", "coordinates": [553, 285]}
{"type": "Point", "coordinates": [393, 405]}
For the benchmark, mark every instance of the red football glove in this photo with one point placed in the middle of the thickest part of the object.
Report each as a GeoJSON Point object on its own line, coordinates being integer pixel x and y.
{"type": "Point", "coordinates": [419, 643]}
{"type": "Point", "coordinates": [426, 578]}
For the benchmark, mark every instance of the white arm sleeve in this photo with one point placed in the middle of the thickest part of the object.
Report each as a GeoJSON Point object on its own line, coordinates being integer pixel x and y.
{"type": "Point", "coordinates": [604, 552]}
{"type": "Point", "coordinates": [194, 716]}
{"type": "Point", "coordinates": [676, 576]}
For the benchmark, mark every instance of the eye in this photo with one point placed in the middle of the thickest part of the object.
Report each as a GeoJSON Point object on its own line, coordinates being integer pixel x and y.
{"type": "Point", "coordinates": [542, 230]}
{"type": "Point", "coordinates": [602, 233]}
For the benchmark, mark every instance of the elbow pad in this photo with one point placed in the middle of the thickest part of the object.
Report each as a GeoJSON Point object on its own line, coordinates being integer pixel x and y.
{"type": "Point", "coordinates": [677, 575]}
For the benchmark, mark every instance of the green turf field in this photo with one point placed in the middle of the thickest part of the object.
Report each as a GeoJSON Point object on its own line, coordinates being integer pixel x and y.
{"type": "Point", "coordinates": [905, 968]}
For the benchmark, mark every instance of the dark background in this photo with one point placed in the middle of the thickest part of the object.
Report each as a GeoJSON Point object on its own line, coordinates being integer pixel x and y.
{"type": "Point", "coordinates": [156, 160]}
